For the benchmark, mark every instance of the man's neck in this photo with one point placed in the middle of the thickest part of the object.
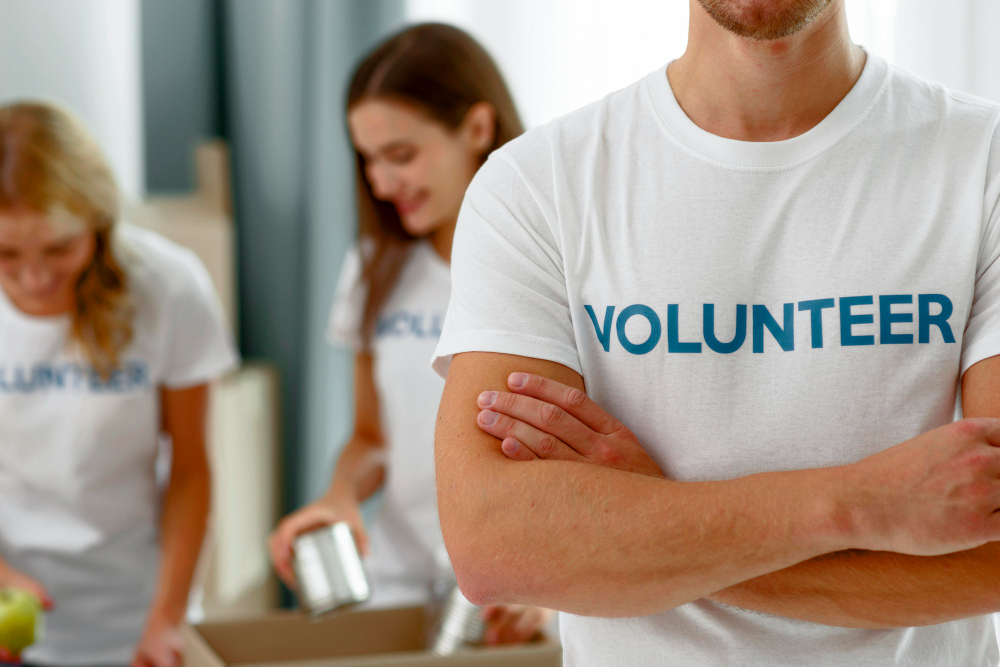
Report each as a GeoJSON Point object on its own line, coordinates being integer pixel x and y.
{"type": "Point", "coordinates": [742, 89]}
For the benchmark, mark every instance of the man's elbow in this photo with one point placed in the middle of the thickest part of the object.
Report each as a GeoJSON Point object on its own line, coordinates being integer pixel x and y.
{"type": "Point", "coordinates": [479, 552]}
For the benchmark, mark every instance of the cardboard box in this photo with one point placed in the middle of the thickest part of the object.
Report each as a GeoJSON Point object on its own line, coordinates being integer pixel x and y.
{"type": "Point", "coordinates": [383, 638]}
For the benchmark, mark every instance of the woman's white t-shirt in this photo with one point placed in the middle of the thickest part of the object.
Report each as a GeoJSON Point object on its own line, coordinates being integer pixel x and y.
{"type": "Point", "coordinates": [406, 534]}
{"type": "Point", "coordinates": [78, 495]}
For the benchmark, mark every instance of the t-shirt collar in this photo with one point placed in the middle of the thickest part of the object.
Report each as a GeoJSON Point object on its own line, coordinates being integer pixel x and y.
{"type": "Point", "coordinates": [770, 155]}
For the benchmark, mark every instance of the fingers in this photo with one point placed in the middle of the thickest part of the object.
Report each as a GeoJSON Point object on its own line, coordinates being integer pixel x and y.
{"type": "Point", "coordinates": [497, 625]}
{"type": "Point", "coordinates": [492, 611]}
{"type": "Point", "coordinates": [515, 451]}
{"type": "Point", "coordinates": [572, 400]}
{"type": "Point", "coordinates": [529, 625]}
{"type": "Point", "coordinates": [24, 582]}
{"type": "Point", "coordinates": [511, 624]}
{"type": "Point", "coordinates": [281, 557]}
{"type": "Point", "coordinates": [360, 538]}
{"type": "Point", "coordinates": [280, 542]}
{"type": "Point", "coordinates": [546, 418]}
{"type": "Point", "coordinates": [988, 429]}
{"type": "Point", "coordinates": [541, 445]}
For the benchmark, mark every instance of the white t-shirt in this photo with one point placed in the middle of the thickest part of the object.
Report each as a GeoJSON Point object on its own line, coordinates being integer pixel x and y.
{"type": "Point", "coordinates": [406, 533]}
{"type": "Point", "coordinates": [78, 497]}
{"type": "Point", "coordinates": [746, 307]}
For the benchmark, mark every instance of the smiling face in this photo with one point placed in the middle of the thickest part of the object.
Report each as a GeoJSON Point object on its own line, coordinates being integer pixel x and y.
{"type": "Point", "coordinates": [422, 167]}
{"type": "Point", "coordinates": [42, 259]}
{"type": "Point", "coordinates": [764, 20]}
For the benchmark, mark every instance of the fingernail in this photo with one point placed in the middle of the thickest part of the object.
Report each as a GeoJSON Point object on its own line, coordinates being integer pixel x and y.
{"type": "Point", "coordinates": [518, 380]}
{"type": "Point", "coordinates": [488, 417]}
{"type": "Point", "coordinates": [509, 446]}
{"type": "Point", "coordinates": [487, 398]}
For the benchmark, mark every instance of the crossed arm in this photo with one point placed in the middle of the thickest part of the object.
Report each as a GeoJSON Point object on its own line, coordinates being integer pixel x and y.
{"type": "Point", "coordinates": [870, 589]}
{"type": "Point", "coordinates": [602, 541]}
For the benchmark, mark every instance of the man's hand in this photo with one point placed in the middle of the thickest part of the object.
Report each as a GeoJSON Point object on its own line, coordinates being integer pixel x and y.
{"type": "Point", "coordinates": [544, 419]}
{"type": "Point", "coordinates": [935, 494]}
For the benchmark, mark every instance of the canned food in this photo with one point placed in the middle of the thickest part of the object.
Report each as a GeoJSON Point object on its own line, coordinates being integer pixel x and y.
{"type": "Point", "coordinates": [328, 569]}
{"type": "Point", "coordinates": [461, 626]}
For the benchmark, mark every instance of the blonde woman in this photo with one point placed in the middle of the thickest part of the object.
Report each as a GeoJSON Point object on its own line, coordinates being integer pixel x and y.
{"type": "Point", "coordinates": [108, 337]}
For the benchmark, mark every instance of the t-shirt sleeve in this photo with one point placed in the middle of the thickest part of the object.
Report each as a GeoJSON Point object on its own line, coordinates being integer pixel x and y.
{"type": "Point", "coordinates": [508, 290]}
{"type": "Point", "coordinates": [347, 312]}
{"type": "Point", "coordinates": [982, 333]}
{"type": "Point", "coordinates": [200, 345]}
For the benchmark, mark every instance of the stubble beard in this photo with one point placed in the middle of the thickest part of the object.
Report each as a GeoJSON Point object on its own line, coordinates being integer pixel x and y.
{"type": "Point", "coordinates": [764, 24]}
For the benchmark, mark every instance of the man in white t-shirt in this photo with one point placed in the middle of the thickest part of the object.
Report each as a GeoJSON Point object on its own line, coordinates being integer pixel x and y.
{"type": "Point", "coordinates": [773, 263]}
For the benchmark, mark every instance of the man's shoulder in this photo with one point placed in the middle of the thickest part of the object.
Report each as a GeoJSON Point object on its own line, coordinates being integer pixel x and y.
{"type": "Point", "coordinates": [587, 131]}
{"type": "Point", "coordinates": [926, 101]}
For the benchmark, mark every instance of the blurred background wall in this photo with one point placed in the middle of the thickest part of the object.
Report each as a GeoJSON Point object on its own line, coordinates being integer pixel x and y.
{"type": "Point", "coordinates": [269, 76]}
{"type": "Point", "coordinates": [154, 78]}
{"type": "Point", "coordinates": [86, 55]}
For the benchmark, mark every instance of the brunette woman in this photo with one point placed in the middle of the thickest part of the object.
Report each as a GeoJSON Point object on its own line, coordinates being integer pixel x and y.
{"type": "Point", "coordinates": [424, 110]}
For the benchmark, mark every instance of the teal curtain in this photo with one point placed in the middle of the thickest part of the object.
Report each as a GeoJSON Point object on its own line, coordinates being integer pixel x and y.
{"type": "Point", "coordinates": [286, 66]}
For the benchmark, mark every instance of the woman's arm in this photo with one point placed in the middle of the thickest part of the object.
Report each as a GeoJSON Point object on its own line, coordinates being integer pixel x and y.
{"type": "Point", "coordinates": [360, 470]}
{"type": "Point", "coordinates": [182, 523]}
{"type": "Point", "coordinates": [359, 473]}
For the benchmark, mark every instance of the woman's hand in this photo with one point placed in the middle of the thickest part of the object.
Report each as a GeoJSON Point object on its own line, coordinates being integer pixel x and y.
{"type": "Point", "coordinates": [543, 419]}
{"type": "Point", "coordinates": [161, 645]}
{"type": "Point", "coordinates": [327, 510]}
{"type": "Point", "coordinates": [514, 623]}
{"type": "Point", "coordinates": [11, 578]}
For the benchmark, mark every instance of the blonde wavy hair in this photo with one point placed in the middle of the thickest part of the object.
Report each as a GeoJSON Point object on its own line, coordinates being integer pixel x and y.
{"type": "Point", "coordinates": [51, 165]}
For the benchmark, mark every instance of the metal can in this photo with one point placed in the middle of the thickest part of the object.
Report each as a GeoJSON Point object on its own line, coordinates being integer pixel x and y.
{"type": "Point", "coordinates": [461, 625]}
{"type": "Point", "coordinates": [328, 569]}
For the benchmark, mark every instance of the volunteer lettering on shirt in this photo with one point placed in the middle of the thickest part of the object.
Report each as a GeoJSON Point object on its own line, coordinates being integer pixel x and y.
{"type": "Point", "coordinates": [783, 333]}
{"type": "Point", "coordinates": [402, 323]}
{"type": "Point", "coordinates": [745, 307]}
{"type": "Point", "coordinates": [132, 375]}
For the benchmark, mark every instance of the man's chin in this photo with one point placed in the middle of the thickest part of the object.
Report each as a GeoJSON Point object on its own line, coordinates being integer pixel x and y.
{"type": "Point", "coordinates": [760, 20]}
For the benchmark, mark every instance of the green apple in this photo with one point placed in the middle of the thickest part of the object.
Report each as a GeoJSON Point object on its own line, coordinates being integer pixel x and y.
{"type": "Point", "coordinates": [20, 619]}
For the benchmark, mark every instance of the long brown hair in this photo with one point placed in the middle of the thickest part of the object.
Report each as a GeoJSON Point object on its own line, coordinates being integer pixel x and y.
{"type": "Point", "coordinates": [444, 72]}
{"type": "Point", "coordinates": [49, 163]}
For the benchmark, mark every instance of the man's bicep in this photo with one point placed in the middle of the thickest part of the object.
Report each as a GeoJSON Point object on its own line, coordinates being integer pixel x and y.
{"type": "Point", "coordinates": [458, 439]}
{"type": "Point", "coordinates": [468, 460]}
{"type": "Point", "coordinates": [981, 389]}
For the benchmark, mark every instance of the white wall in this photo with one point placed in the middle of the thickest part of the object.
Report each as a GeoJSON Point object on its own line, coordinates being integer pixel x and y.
{"type": "Point", "coordinates": [953, 42]}
{"type": "Point", "coordinates": [84, 54]}
{"type": "Point", "coordinates": [558, 55]}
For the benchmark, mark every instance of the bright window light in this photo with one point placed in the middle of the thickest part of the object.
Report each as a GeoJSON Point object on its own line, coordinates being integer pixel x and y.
{"type": "Point", "coordinates": [559, 55]}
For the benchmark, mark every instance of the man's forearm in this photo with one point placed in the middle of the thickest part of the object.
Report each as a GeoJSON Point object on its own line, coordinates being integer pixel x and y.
{"type": "Point", "coordinates": [597, 541]}
{"type": "Point", "coordinates": [877, 589]}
